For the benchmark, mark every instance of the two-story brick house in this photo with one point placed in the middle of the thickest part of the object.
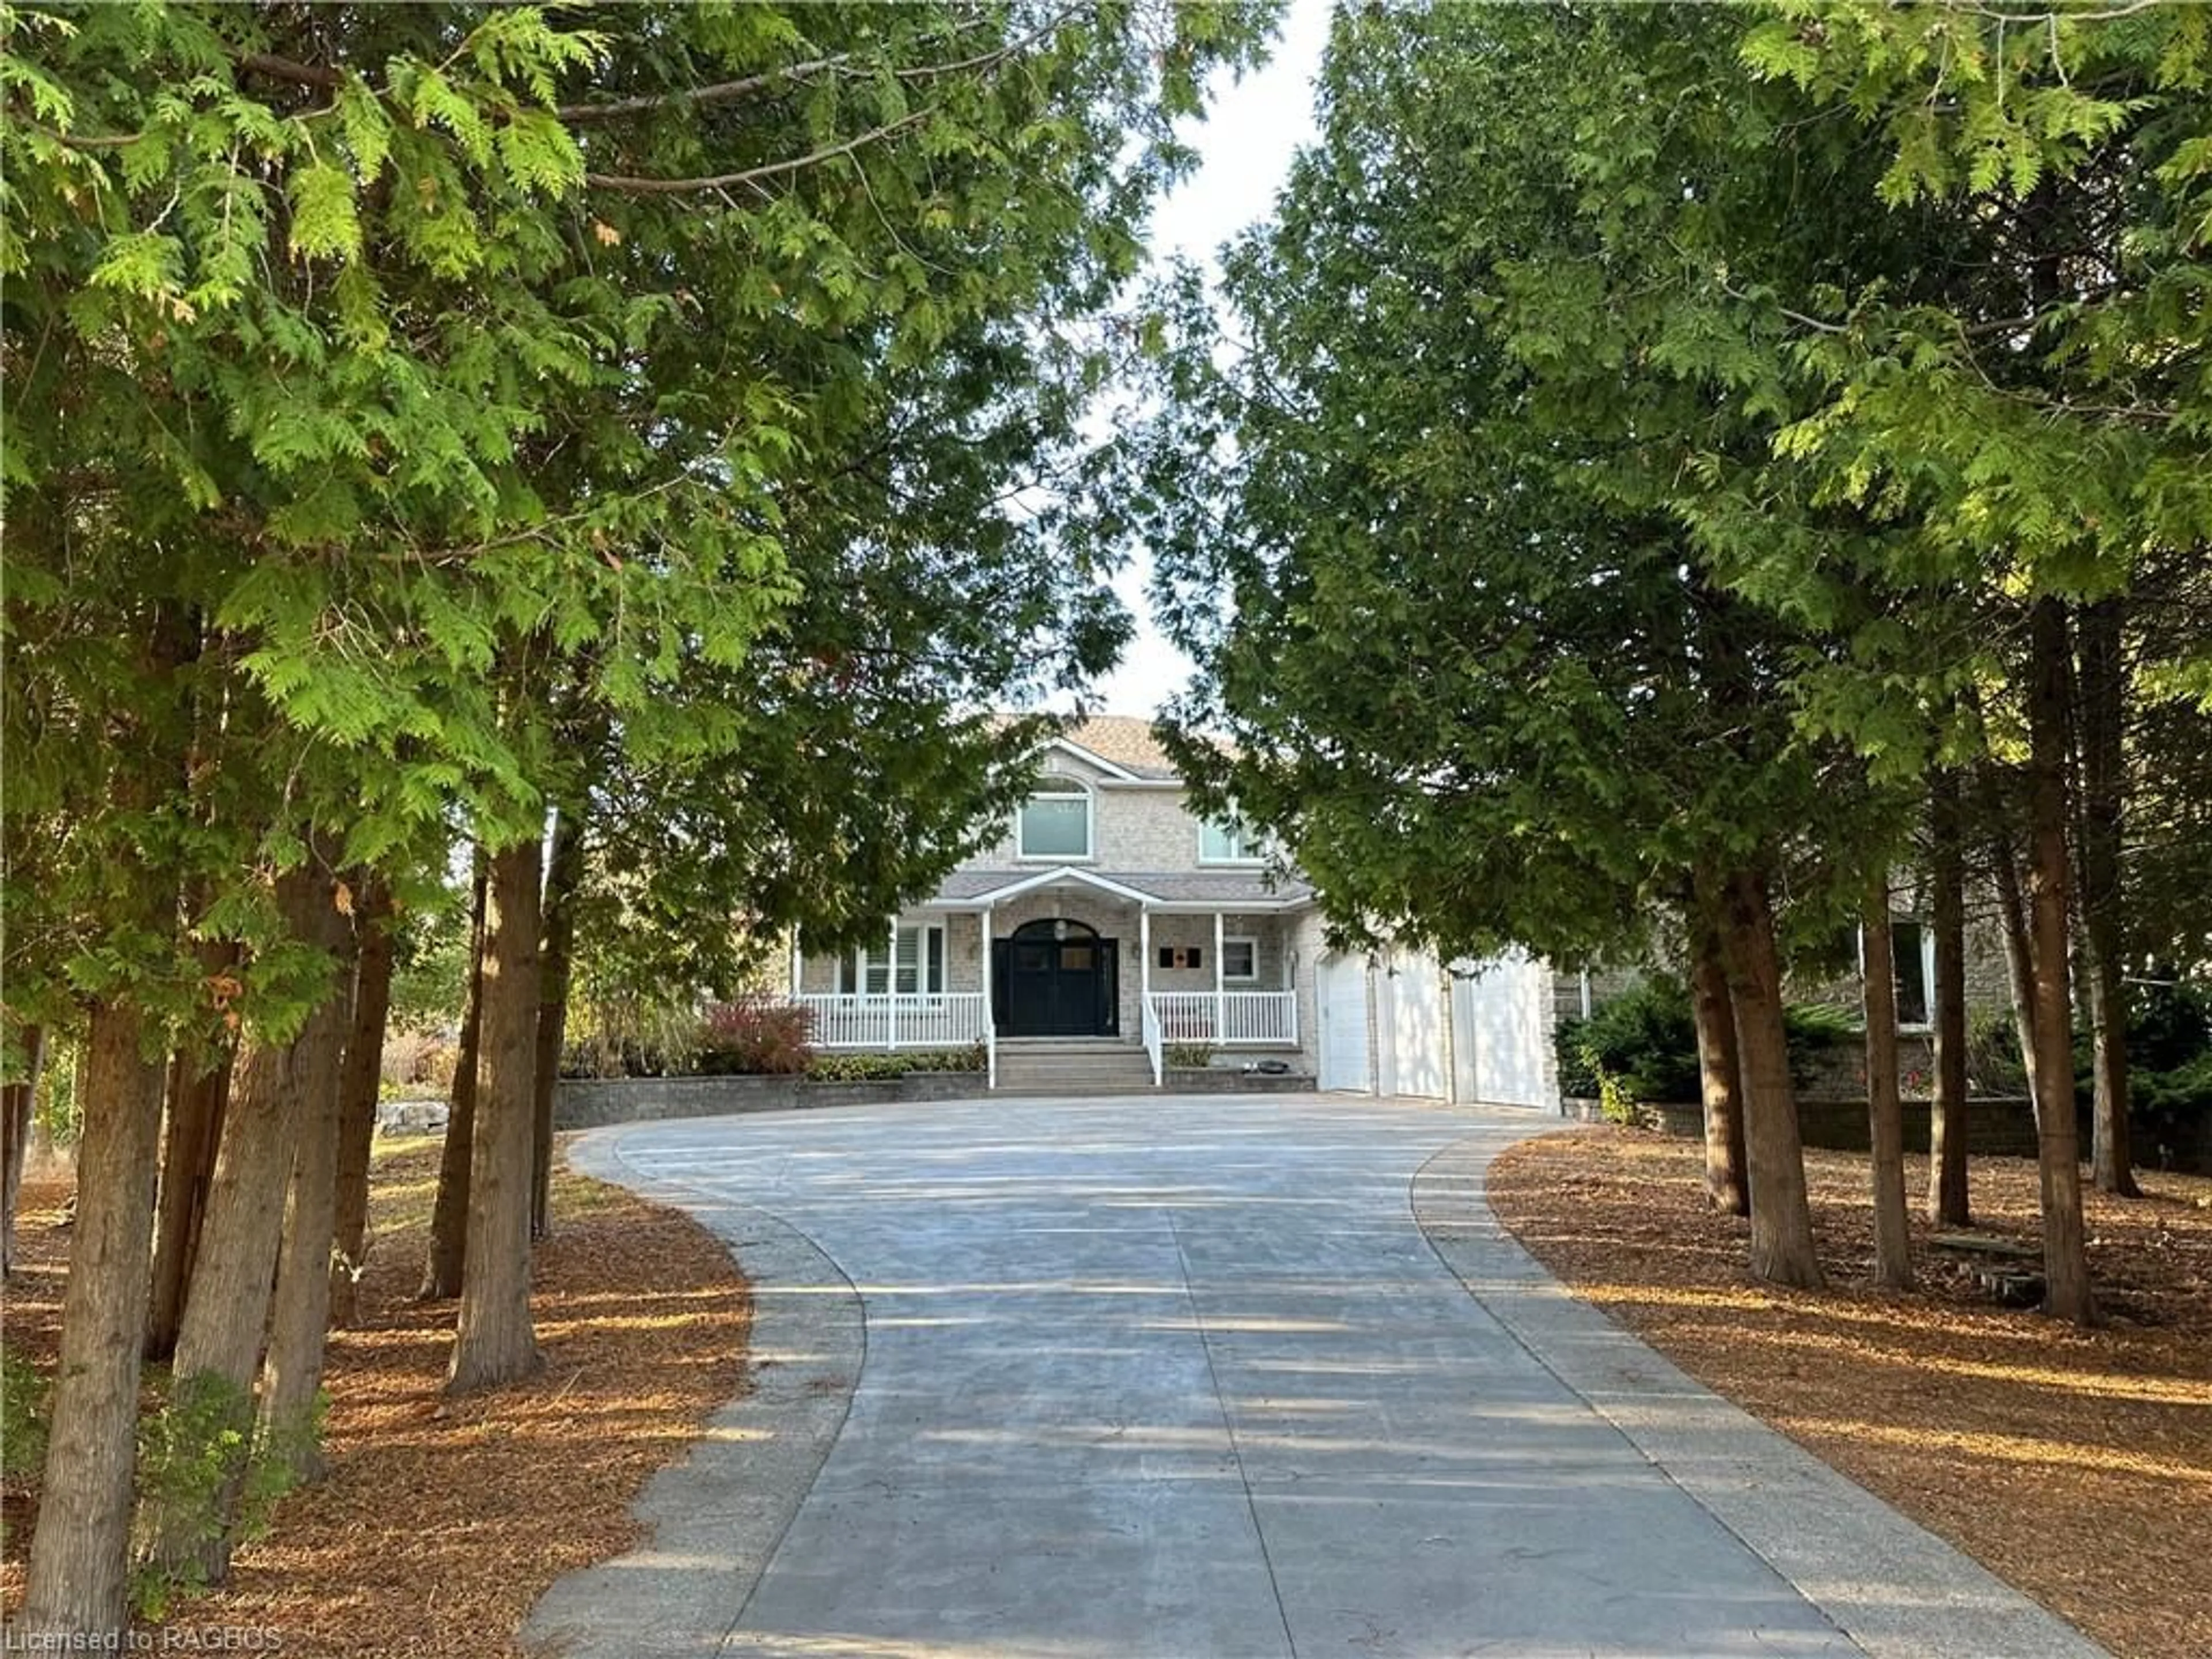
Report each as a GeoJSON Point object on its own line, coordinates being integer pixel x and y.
{"type": "Point", "coordinates": [1110, 926]}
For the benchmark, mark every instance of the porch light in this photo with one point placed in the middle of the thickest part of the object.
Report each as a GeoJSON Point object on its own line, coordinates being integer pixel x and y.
{"type": "Point", "coordinates": [1060, 929]}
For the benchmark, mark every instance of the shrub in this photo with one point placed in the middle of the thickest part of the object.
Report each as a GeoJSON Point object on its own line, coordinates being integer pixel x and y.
{"type": "Point", "coordinates": [1641, 1048]}
{"type": "Point", "coordinates": [207, 1472]}
{"type": "Point", "coordinates": [23, 1398]}
{"type": "Point", "coordinates": [1188, 1056]}
{"type": "Point", "coordinates": [849, 1067]}
{"type": "Point", "coordinates": [755, 1035]}
{"type": "Point", "coordinates": [1993, 1061]}
{"type": "Point", "coordinates": [415, 1061]}
{"type": "Point", "coordinates": [1813, 1028]}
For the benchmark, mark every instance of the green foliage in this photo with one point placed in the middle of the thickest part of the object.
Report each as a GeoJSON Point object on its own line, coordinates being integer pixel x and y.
{"type": "Point", "coordinates": [1641, 1048]}
{"type": "Point", "coordinates": [24, 1394]}
{"type": "Point", "coordinates": [205, 1473]}
{"type": "Point", "coordinates": [1188, 1056]}
{"type": "Point", "coordinates": [57, 1113]}
{"type": "Point", "coordinates": [659, 373]}
{"type": "Point", "coordinates": [430, 966]}
{"type": "Point", "coordinates": [1993, 1066]}
{"type": "Point", "coordinates": [2169, 1067]}
{"type": "Point", "coordinates": [1467, 666]}
{"type": "Point", "coordinates": [861, 1067]}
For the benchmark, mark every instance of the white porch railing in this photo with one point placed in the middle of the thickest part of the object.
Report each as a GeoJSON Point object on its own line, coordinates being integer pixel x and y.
{"type": "Point", "coordinates": [1154, 1043]}
{"type": "Point", "coordinates": [1225, 1019]}
{"type": "Point", "coordinates": [947, 1021]}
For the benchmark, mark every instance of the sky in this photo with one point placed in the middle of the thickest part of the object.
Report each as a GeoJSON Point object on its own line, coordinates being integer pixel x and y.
{"type": "Point", "coordinates": [1245, 146]}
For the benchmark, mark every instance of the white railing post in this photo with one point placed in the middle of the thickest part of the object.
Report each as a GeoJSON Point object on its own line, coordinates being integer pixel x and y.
{"type": "Point", "coordinates": [990, 1024]}
{"type": "Point", "coordinates": [891, 988]}
{"type": "Point", "coordinates": [1150, 1025]}
{"type": "Point", "coordinates": [1220, 999]}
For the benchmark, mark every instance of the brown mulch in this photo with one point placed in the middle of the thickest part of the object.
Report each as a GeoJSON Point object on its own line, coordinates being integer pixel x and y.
{"type": "Point", "coordinates": [2076, 1465]}
{"type": "Point", "coordinates": [441, 1523]}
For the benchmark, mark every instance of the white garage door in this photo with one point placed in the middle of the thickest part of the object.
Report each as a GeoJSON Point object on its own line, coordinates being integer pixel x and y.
{"type": "Point", "coordinates": [1341, 990]}
{"type": "Point", "coordinates": [1501, 1034]}
{"type": "Point", "coordinates": [1411, 1013]}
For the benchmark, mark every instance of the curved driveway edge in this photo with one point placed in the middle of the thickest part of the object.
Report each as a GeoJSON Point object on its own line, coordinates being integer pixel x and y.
{"type": "Point", "coordinates": [1895, 1589]}
{"type": "Point", "coordinates": [714, 1520]}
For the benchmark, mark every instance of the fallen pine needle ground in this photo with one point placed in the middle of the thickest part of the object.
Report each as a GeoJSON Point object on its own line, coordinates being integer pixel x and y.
{"type": "Point", "coordinates": [442, 1521]}
{"type": "Point", "coordinates": [2076, 1465]}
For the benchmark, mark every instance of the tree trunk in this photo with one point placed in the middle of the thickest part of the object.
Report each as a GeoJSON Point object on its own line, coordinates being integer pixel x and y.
{"type": "Point", "coordinates": [449, 1214]}
{"type": "Point", "coordinates": [2012, 923]}
{"type": "Point", "coordinates": [2102, 698]}
{"type": "Point", "coordinates": [493, 1342]}
{"type": "Point", "coordinates": [1948, 1199]}
{"type": "Point", "coordinates": [81, 1551]}
{"type": "Point", "coordinates": [563, 877]}
{"type": "Point", "coordinates": [219, 1344]}
{"type": "Point", "coordinates": [357, 1094]}
{"type": "Point", "coordinates": [196, 1098]}
{"type": "Point", "coordinates": [18, 1102]}
{"type": "Point", "coordinates": [292, 1372]}
{"type": "Point", "coordinates": [1781, 1218]}
{"type": "Point", "coordinates": [1892, 1237]}
{"type": "Point", "coordinates": [1719, 1076]}
{"type": "Point", "coordinates": [2065, 1258]}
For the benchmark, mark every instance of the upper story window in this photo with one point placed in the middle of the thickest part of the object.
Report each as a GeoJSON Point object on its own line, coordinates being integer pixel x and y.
{"type": "Point", "coordinates": [1055, 822]}
{"type": "Point", "coordinates": [1229, 841]}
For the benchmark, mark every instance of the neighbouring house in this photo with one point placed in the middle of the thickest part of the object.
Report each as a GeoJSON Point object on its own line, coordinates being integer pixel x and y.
{"type": "Point", "coordinates": [1112, 935]}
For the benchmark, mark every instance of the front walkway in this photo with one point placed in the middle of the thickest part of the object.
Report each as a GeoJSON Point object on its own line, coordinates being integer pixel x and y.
{"type": "Point", "coordinates": [1178, 1378]}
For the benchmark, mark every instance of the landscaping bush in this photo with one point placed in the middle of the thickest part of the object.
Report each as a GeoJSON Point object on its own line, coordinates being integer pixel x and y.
{"type": "Point", "coordinates": [1188, 1056]}
{"type": "Point", "coordinates": [755, 1035]}
{"type": "Point", "coordinates": [2169, 1069]}
{"type": "Point", "coordinates": [417, 1061]}
{"type": "Point", "coordinates": [874, 1067]}
{"type": "Point", "coordinates": [1641, 1048]}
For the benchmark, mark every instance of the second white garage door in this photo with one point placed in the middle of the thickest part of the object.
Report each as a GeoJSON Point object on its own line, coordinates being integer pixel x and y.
{"type": "Point", "coordinates": [1409, 1013]}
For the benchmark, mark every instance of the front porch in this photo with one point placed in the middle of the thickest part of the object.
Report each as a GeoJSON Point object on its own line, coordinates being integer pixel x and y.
{"type": "Point", "coordinates": [1061, 954]}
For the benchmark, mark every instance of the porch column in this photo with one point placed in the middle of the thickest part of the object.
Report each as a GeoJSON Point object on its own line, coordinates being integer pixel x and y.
{"type": "Point", "coordinates": [797, 967]}
{"type": "Point", "coordinates": [891, 988]}
{"type": "Point", "coordinates": [983, 921]}
{"type": "Point", "coordinates": [1220, 1001]}
{"type": "Point", "coordinates": [1143, 964]}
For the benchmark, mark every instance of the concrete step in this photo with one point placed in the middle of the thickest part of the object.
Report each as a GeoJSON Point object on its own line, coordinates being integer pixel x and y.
{"type": "Point", "coordinates": [1073, 1067]}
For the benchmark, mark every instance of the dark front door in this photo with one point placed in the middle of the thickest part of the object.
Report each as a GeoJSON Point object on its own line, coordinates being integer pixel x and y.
{"type": "Point", "coordinates": [1055, 979]}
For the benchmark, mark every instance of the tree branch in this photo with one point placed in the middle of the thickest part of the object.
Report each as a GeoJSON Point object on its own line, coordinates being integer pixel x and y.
{"type": "Point", "coordinates": [640, 186]}
{"type": "Point", "coordinates": [723, 92]}
{"type": "Point", "coordinates": [284, 68]}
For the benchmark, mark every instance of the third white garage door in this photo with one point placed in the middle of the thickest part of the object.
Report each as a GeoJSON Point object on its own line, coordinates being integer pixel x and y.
{"type": "Point", "coordinates": [1501, 1033]}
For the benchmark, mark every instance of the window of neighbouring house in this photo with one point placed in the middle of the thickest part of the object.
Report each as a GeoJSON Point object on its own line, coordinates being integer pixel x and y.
{"type": "Point", "coordinates": [1228, 841]}
{"type": "Point", "coordinates": [1055, 822]}
{"type": "Point", "coordinates": [1914, 950]}
{"type": "Point", "coordinates": [1240, 958]}
{"type": "Point", "coordinates": [921, 967]}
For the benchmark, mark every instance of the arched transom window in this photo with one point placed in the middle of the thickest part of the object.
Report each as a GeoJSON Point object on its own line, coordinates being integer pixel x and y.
{"type": "Point", "coordinates": [1055, 823]}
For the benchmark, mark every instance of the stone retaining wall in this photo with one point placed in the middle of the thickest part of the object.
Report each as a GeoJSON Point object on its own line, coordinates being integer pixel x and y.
{"type": "Point", "coordinates": [1996, 1126]}
{"type": "Point", "coordinates": [594, 1102]}
{"type": "Point", "coordinates": [1219, 1080]}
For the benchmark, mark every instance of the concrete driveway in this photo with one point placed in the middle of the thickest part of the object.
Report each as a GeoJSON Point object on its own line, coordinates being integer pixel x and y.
{"type": "Point", "coordinates": [1176, 1378]}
